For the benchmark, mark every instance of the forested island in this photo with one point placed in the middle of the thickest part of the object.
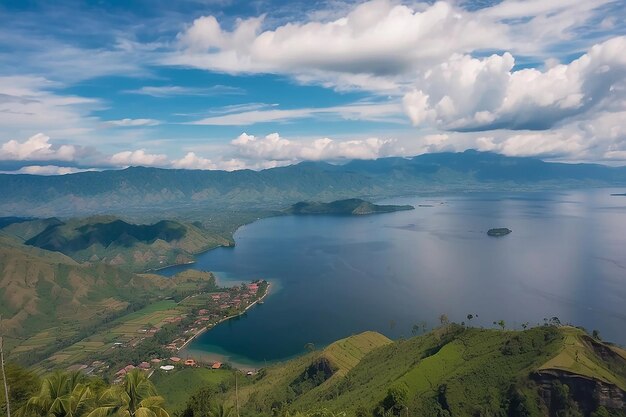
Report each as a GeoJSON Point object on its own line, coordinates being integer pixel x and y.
{"type": "Point", "coordinates": [352, 206]}
{"type": "Point", "coordinates": [498, 232]}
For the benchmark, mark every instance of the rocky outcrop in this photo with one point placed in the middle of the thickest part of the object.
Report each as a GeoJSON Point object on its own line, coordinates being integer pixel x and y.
{"type": "Point", "coordinates": [588, 393]}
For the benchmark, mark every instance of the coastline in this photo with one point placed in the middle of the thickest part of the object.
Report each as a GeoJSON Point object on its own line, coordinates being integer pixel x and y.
{"type": "Point", "coordinates": [201, 331]}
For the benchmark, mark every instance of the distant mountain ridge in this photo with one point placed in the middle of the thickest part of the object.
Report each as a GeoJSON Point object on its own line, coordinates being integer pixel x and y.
{"type": "Point", "coordinates": [140, 189]}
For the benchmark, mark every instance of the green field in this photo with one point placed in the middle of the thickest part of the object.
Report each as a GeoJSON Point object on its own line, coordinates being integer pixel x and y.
{"type": "Point", "coordinates": [578, 356]}
{"type": "Point", "coordinates": [177, 386]}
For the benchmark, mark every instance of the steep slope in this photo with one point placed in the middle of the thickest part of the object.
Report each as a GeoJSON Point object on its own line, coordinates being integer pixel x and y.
{"type": "Point", "coordinates": [115, 242]}
{"type": "Point", "coordinates": [47, 299]}
{"type": "Point", "coordinates": [140, 189]}
{"type": "Point", "coordinates": [299, 379]}
{"type": "Point", "coordinates": [452, 371]}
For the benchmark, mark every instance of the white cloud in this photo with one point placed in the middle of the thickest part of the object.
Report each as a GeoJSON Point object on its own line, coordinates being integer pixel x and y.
{"type": "Point", "coordinates": [466, 93]}
{"type": "Point", "coordinates": [28, 105]}
{"type": "Point", "coordinates": [132, 122]}
{"type": "Point", "coordinates": [377, 38]}
{"type": "Point", "coordinates": [138, 157]}
{"type": "Point", "coordinates": [274, 148]}
{"type": "Point", "coordinates": [36, 148]}
{"type": "Point", "coordinates": [175, 90]}
{"type": "Point", "coordinates": [380, 45]}
{"type": "Point", "coordinates": [193, 161]}
{"type": "Point", "coordinates": [387, 112]}
{"type": "Point", "coordinates": [48, 170]}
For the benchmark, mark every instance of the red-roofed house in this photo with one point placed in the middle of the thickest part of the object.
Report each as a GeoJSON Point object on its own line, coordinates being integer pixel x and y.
{"type": "Point", "coordinates": [217, 365]}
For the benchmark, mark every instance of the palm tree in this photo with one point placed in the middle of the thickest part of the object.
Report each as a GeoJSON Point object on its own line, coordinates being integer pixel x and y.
{"type": "Point", "coordinates": [136, 397]}
{"type": "Point", "coordinates": [61, 395]}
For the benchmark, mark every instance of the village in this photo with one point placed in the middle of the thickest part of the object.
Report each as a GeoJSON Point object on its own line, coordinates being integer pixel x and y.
{"type": "Point", "coordinates": [159, 344]}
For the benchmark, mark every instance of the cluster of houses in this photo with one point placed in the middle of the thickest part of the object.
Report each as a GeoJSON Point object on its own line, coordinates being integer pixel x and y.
{"type": "Point", "coordinates": [220, 305]}
{"type": "Point", "coordinates": [162, 364]}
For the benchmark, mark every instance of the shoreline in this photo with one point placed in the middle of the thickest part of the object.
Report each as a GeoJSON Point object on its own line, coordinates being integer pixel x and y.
{"type": "Point", "coordinates": [205, 329]}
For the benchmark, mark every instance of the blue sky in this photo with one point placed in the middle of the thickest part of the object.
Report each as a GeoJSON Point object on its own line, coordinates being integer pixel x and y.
{"type": "Point", "coordinates": [225, 84]}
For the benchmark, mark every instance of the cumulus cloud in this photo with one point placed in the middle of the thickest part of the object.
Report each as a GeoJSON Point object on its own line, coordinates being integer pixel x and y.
{"type": "Point", "coordinates": [132, 122]}
{"type": "Point", "coordinates": [48, 170]}
{"type": "Point", "coordinates": [193, 161]}
{"type": "Point", "coordinates": [36, 148]}
{"type": "Point", "coordinates": [466, 93]}
{"type": "Point", "coordinates": [377, 38]}
{"type": "Point", "coordinates": [274, 148]}
{"type": "Point", "coordinates": [379, 44]}
{"type": "Point", "coordinates": [138, 157]}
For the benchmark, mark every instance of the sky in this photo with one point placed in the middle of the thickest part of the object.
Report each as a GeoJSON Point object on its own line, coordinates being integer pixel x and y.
{"type": "Point", "coordinates": [227, 84]}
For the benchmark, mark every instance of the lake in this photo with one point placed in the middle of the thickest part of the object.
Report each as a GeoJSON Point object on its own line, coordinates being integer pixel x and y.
{"type": "Point", "coordinates": [333, 276]}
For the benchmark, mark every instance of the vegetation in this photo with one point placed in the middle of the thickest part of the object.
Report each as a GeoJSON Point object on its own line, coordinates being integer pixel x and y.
{"type": "Point", "coordinates": [353, 206]}
{"type": "Point", "coordinates": [72, 394]}
{"type": "Point", "coordinates": [451, 371]}
{"type": "Point", "coordinates": [110, 240]}
{"type": "Point", "coordinates": [498, 232]}
{"type": "Point", "coordinates": [170, 192]}
{"type": "Point", "coordinates": [50, 302]}
{"type": "Point", "coordinates": [177, 385]}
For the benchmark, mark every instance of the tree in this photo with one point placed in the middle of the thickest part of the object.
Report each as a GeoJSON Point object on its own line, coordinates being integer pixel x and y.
{"type": "Point", "coordinates": [61, 395]}
{"type": "Point", "coordinates": [22, 385]}
{"type": "Point", "coordinates": [136, 397]}
{"type": "Point", "coordinates": [220, 410]}
{"type": "Point", "coordinates": [596, 334]}
{"type": "Point", "coordinates": [502, 324]}
{"type": "Point", "coordinates": [470, 317]}
{"type": "Point", "coordinates": [7, 398]}
{"type": "Point", "coordinates": [395, 401]}
{"type": "Point", "coordinates": [443, 319]}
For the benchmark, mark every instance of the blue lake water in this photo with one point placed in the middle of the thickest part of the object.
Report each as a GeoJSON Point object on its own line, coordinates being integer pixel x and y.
{"type": "Point", "coordinates": [333, 276]}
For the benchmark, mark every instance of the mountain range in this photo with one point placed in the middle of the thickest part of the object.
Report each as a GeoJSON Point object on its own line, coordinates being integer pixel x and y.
{"type": "Point", "coordinates": [139, 189]}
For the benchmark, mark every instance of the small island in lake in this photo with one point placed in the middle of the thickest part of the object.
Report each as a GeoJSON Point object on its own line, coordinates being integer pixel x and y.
{"type": "Point", "coordinates": [498, 232]}
{"type": "Point", "coordinates": [352, 206]}
{"type": "Point", "coordinates": [618, 195]}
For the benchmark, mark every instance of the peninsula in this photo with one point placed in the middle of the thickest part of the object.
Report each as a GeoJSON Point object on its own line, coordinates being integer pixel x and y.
{"type": "Point", "coordinates": [352, 206]}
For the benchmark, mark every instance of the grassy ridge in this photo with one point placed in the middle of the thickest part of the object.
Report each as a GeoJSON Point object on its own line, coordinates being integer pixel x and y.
{"type": "Point", "coordinates": [453, 371]}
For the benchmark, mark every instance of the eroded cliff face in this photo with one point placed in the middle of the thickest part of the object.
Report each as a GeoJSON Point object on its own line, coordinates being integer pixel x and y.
{"type": "Point", "coordinates": [588, 393]}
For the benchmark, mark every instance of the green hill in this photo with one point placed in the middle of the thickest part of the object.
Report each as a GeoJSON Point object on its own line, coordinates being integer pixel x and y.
{"type": "Point", "coordinates": [452, 371]}
{"type": "Point", "coordinates": [352, 206]}
{"type": "Point", "coordinates": [48, 300]}
{"type": "Point", "coordinates": [109, 240]}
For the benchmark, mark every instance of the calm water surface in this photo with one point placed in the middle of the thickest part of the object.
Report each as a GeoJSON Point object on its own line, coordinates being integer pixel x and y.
{"type": "Point", "coordinates": [333, 276]}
